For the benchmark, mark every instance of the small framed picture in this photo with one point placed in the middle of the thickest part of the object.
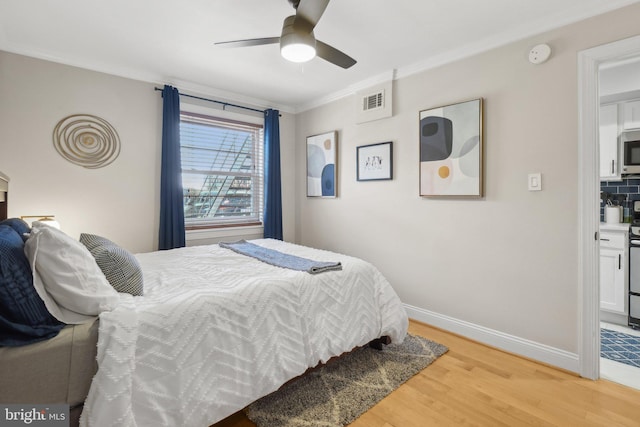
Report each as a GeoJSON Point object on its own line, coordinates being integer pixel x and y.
{"type": "Point", "coordinates": [375, 162]}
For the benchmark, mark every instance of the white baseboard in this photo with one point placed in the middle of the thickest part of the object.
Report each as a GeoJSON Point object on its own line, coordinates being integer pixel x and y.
{"type": "Point", "coordinates": [510, 343]}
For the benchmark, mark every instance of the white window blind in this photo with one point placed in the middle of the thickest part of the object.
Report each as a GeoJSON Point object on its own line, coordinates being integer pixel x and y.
{"type": "Point", "coordinates": [222, 169]}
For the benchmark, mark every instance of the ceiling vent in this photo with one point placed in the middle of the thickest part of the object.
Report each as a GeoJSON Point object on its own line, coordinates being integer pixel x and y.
{"type": "Point", "coordinates": [373, 101]}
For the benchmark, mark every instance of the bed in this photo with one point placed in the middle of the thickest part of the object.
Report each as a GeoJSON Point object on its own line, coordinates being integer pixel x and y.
{"type": "Point", "coordinates": [54, 366]}
{"type": "Point", "coordinates": [213, 331]}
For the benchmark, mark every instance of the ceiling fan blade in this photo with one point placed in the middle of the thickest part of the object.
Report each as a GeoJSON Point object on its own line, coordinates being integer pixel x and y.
{"type": "Point", "coordinates": [249, 42]}
{"type": "Point", "coordinates": [333, 55]}
{"type": "Point", "coordinates": [311, 10]}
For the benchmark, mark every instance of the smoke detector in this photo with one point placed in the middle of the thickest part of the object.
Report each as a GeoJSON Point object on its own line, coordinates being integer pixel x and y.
{"type": "Point", "coordinates": [539, 53]}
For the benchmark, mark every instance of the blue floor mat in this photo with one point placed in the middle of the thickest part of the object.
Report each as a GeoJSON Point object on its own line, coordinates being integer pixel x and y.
{"type": "Point", "coordinates": [620, 347]}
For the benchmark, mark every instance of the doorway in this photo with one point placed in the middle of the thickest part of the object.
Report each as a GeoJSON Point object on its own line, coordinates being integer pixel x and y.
{"type": "Point", "coordinates": [619, 91]}
{"type": "Point", "coordinates": [589, 62]}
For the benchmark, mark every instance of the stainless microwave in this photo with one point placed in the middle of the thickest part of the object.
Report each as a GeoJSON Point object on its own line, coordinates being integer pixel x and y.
{"type": "Point", "coordinates": [630, 152]}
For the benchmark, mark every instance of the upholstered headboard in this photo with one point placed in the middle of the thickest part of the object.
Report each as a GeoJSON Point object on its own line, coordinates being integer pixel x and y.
{"type": "Point", "coordinates": [4, 195]}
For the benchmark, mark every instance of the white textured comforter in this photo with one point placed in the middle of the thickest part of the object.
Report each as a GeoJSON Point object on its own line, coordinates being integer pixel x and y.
{"type": "Point", "coordinates": [217, 330]}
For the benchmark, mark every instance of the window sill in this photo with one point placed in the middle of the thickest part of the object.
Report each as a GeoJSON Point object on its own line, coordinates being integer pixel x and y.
{"type": "Point", "coordinates": [209, 235]}
{"type": "Point", "coordinates": [217, 226]}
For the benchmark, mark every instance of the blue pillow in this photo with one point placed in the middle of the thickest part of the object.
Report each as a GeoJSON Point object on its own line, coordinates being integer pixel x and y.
{"type": "Point", "coordinates": [19, 225]}
{"type": "Point", "coordinates": [24, 318]}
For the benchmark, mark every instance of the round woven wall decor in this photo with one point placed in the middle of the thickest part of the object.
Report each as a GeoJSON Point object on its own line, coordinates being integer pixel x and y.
{"type": "Point", "coordinates": [86, 140]}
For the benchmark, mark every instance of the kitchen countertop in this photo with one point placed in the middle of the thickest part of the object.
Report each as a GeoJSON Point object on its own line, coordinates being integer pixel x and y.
{"type": "Point", "coordinates": [622, 226]}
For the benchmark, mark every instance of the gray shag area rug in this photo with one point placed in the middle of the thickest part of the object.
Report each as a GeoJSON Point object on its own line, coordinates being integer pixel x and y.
{"type": "Point", "coordinates": [337, 393]}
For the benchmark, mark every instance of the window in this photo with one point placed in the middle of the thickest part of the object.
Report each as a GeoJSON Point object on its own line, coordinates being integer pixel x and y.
{"type": "Point", "coordinates": [221, 171]}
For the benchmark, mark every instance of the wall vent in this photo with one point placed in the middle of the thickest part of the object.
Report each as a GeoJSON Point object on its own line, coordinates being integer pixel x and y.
{"type": "Point", "coordinates": [373, 101]}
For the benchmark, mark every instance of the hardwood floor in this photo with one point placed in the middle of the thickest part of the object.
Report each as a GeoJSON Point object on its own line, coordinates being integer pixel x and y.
{"type": "Point", "coordinates": [476, 385]}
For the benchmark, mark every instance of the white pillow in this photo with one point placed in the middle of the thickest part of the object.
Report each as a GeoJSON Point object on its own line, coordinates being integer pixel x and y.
{"type": "Point", "coordinates": [66, 276]}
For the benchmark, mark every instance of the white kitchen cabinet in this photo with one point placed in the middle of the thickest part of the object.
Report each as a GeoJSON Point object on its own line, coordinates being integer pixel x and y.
{"type": "Point", "coordinates": [631, 115]}
{"type": "Point", "coordinates": [613, 271]}
{"type": "Point", "coordinates": [609, 149]}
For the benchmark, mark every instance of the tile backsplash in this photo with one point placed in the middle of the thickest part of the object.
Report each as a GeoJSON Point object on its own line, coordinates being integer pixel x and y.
{"type": "Point", "coordinates": [629, 187]}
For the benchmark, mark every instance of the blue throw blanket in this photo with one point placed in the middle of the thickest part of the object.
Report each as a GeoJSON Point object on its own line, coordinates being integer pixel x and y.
{"type": "Point", "coordinates": [279, 259]}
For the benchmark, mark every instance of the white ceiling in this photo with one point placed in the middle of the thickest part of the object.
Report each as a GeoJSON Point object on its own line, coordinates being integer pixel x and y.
{"type": "Point", "coordinates": [171, 41]}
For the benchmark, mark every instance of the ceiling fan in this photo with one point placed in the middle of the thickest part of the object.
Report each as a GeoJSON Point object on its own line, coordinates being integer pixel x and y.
{"type": "Point", "coordinates": [297, 41]}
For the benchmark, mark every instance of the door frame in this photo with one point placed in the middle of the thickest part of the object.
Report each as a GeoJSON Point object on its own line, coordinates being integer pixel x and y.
{"type": "Point", "coordinates": [589, 62]}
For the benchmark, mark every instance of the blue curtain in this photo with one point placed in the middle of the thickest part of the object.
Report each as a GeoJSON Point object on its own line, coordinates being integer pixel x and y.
{"type": "Point", "coordinates": [272, 192]}
{"type": "Point", "coordinates": [171, 205]}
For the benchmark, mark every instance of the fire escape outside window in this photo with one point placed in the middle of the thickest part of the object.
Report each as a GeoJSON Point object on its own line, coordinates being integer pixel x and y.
{"type": "Point", "coordinates": [222, 169]}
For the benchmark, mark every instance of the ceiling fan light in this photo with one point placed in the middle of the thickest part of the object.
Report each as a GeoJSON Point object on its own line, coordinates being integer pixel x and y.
{"type": "Point", "coordinates": [297, 42]}
{"type": "Point", "coordinates": [298, 52]}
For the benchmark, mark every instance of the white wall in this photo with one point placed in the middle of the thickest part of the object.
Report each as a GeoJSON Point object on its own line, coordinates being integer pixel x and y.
{"type": "Point", "coordinates": [621, 78]}
{"type": "Point", "coordinates": [507, 262]}
{"type": "Point", "coordinates": [119, 201]}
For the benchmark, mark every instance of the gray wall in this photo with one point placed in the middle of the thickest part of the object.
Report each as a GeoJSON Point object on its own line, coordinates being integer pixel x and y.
{"type": "Point", "coordinates": [507, 262]}
{"type": "Point", "coordinates": [119, 201]}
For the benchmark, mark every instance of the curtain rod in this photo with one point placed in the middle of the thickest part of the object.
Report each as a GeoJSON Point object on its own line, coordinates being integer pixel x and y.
{"type": "Point", "coordinates": [224, 104]}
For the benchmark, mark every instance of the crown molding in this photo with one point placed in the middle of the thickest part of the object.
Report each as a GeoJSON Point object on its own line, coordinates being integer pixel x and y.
{"type": "Point", "coordinates": [531, 29]}
{"type": "Point", "coordinates": [350, 90]}
{"type": "Point", "coordinates": [157, 79]}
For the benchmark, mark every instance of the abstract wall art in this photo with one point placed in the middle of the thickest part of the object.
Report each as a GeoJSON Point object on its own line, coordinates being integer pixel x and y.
{"type": "Point", "coordinates": [321, 165]}
{"type": "Point", "coordinates": [86, 140]}
{"type": "Point", "coordinates": [451, 150]}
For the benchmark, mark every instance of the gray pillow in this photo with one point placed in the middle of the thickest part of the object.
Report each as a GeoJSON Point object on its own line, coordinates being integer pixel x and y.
{"type": "Point", "coordinates": [119, 266]}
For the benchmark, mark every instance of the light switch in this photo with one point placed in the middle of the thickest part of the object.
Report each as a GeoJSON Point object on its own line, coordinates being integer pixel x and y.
{"type": "Point", "coordinates": [535, 182]}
